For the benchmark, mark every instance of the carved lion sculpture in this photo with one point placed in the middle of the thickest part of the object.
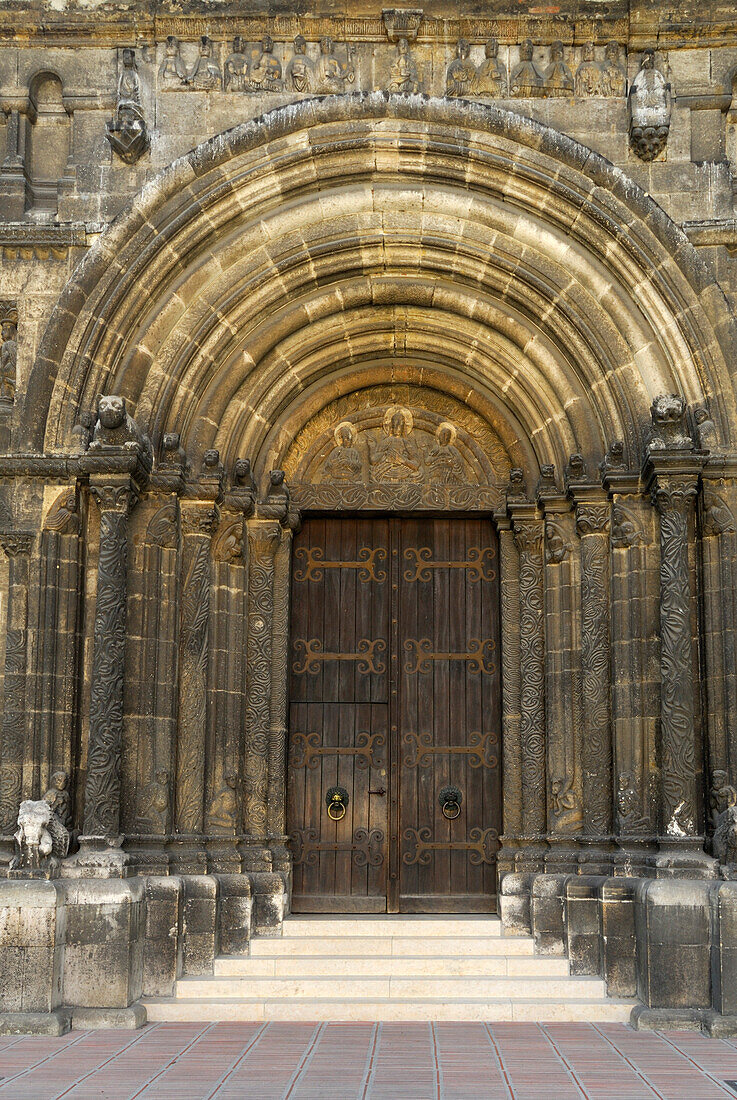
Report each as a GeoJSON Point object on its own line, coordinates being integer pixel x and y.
{"type": "Point", "coordinates": [115, 427]}
{"type": "Point", "coordinates": [668, 423]}
{"type": "Point", "coordinates": [40, 834]}
{"type": "Point", "coordinates": [724, 844]}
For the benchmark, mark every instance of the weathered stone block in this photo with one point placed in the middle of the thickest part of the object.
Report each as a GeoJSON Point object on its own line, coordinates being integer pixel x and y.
{"type": "Point", "coordinates": [234, 915]}
{"type": "Point", "coordinates": [673, 929]}
{"type": "Point", "coordinates": [32, 926]}
{"type": "Point", "coordinates": [269, 901]}
{"type": "Point", "coordinates": [548, 913]}
{"type": "Point", "coordinates": [163, 941]}
{"type": "Point", "coordinates": [199, 924]}
{"type": "Point", "coordinates": [619, 943]}
{"type": "Point", "coordinates": [583, 924]}
{"type": "Point", "coordinates": [514, 904]}
{"type": "Point", "coordinates": [103, 966]}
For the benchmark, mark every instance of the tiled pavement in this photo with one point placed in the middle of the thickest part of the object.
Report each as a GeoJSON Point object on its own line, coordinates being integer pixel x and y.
{"type": "Point", "coordinates": [395, 1061]}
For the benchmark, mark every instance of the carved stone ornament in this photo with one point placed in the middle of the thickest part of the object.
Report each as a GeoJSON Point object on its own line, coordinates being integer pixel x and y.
{"type": "Point", "coordinates": [724, 843]}
{"type": "Point", "coordinates": [718, 518]}
{"type": "Point", "coordinates": [613, 460]}
{"type": "Point", "coordinates": [127, 132]}
{"type": "Point", "coordinates": [205, 73]}
{"type": "Point", "coordinates": [221, 816]}
{"type": "Point", "coordinates": [8, 352]}
{"type": "Point", "coordinates": [374, 451]}
{"type": "Point", "coordinates": [332, 73]}
{"type": "Point", "coordinates": [722, 795]}
{"type": "Point", "coordinates": [405, 77]}
{"type": "Point", "coordinates": [592, 518]}
{"type": "Point", "coordinates": [558, 80]}
{"type": "Point", "coordinates": [629, 812]}
{"type": "Point", "coordinates": [153, 804]}
{"type": "Point", "coordinates": [557, 544]}
{"type": "Point", "coordinates": [490, 79]}
{"type": "Point", "coordinates": [172, 71]}
{"type": "Point", "coordinates": [650, 105]}
{"type": "Point", "coordinates": [590, 78]}
{"type": "Point", "coordinates": [527, 80]}
{"type": "Point", "coordinates": [264, 72]}
{"type": "Point", "coordinates": [626, 530]}
{"type": "Point", "coordinates": [63, 515]}
{"type": "Point", "coordinates": [402, 22]}
{"type": "Point", "coordinates": [576, 469]}
{"type": "Point", "coordinates": [40, 836]}
{"type": "Point", "coordinates": [567, 812]}
{"type": "Point", "coordinates": [706, 432]}
{"type": "Point", "coordinates": [668, 430]}
{"type": "Point", "coordinates": [300, 73]}
{"type": "Point", "coordinates": [614, 75]}
{"type": "Point", "coordinates": [461, 75]}
{"type": "Point", "coordinates": [116, 428]}
{"type": "Point", "coordinates": [58, 798]}
{"type": "Point", "coordinates": [236, 68]}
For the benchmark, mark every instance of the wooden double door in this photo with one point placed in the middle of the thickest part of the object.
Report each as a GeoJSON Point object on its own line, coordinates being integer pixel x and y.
{"type": "Point", "coordinates": [394, 756]}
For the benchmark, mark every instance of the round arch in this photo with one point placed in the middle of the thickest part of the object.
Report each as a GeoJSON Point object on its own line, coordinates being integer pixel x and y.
{"type": "Point", "coordinates": [366, 239]}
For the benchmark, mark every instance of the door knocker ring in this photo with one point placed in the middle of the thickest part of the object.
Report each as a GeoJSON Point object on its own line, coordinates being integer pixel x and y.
{"type": "Point", "coordinates": [337, 801]}
{"type": "Point", "coordinates": [450, 799]}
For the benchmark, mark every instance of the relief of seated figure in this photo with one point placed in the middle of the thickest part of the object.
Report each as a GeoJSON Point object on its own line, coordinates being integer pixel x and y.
{"type": "Point", "coordinates": [397, 456]}
{"type": "Point", "coordinates": [344, 462]}
{"type": "Point", "coordinates": [265, 73]}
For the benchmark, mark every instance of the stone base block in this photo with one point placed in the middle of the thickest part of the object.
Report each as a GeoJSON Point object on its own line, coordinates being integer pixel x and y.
{"type": "Point", "coordinates": [666, 1019]}
{"type": "Point", "coordinates": [100, 1019]}
{"type": "Point", "coordinates": [514, 904]}
{"type": "Point", "coordinates": [721, 1027]}
{"type": "Point", "coordinates": [57, 1022]}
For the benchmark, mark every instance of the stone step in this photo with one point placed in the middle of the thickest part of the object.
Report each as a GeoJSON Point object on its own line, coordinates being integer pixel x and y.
{"type": "Point", "coordinates": [440, 946]}
{"type": "Point", "coordinates": [392, 926]}
{"type": "Point", "coordinates": [409, 966]}
{"type": "Point", "coordinates": [379, 988]}
{"type": "Point", "coordinates": [536, 1010]}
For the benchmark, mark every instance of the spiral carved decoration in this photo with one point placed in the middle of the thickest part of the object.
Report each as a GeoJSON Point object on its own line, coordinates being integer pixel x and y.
{"type": "Point", "coordinates": [674, 499]}
{"type": "Point", "coordinates": [592, 524]}
{"type": "Point", "coordinates": [102, 789]}
{"type": "Point", "coordinates": [529, 539]}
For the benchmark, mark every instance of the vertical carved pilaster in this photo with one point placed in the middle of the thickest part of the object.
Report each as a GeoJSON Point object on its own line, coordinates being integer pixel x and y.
{"type": "Point", "coordinates": [719, 594]}
{"type": "Point", "coordinates": [592, 524]}
{"type": "Point", "coordinates": [511, 736]}
{"type": "Point", "coordinates": [198, 520]}
{"type": "Point", "coordinates": [115, 500]}
{"type": "Point", "coordinates": [528, 535]}
{"type": "Point", "coordinates": [674, 498]}
{"type": "Point", "coordinates": [279, 699]}
{"type": "Point", "coordinates": [17, 545]}
{"type": "Point", "coordinates": [263, 541]}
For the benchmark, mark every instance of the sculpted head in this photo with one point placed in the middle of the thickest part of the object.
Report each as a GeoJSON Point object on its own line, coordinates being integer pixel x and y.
{"type": "Point", "coordinates": [463, 48]}
{"type": "Point", "coordinates": [403, 46]}
{"type": "Point", "coordinates": [111, 411]}
{"type": "Point", "coordinates": [9, 330]}
{"type": "Point", "coordinates": [648, 58]}
{"type": "Point", "coordinates": [525, 50]}
{"type": "Point", "coordinates": [267, 44]}
{"type": "Point", "coordinates": [588, 51]}
{"type": "Point", "coordinates": [300, 44]}
{"type": "Point", "coordinates": [492, 48]}
{"type": "Point", "coordinates": [326, 45]}
{"type": "Point", "coordinates": [611, 51]}
{"type": "Point", "coordinates": [556, 51]}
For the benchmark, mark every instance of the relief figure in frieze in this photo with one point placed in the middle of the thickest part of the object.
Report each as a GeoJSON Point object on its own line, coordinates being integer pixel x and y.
{"type": "Point", "coordinates": [461, 72]}
{"type": "Point", "coordinates": [344, 462]}
{"type": "Point", "coordinates": [527, 80]}
{"type": "Point", "coordinates": [396, 456]}
{"type": "Point", "coordinates": [265, 72]}
{"type": "Point", "coordinates": [614, 74]}
{"type": "Point", "coordinates": [332, 74]}
{"type": "Point", "coordinates": [490, 79]}
{"type": "Point", "coordinates": [300, 74]}
{"type": "Point", "coordinates": [404, 76]}
{"type": "Point", "coordinates": [236, 68]}
{"type": "Point", "coordinates": [205, 73]}
{"type": "Point", "coordinates": [558, 80]}
{"type": "Point", "coordinates": [172, 72]}
{"type": "Point", "coordinates": [590, 76]}
{"type": "Point", "coordinates": [444, 462]}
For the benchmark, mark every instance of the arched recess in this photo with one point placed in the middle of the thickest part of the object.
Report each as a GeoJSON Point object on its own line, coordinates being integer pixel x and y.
{"type": "Point", "coordinates": [376, 238]}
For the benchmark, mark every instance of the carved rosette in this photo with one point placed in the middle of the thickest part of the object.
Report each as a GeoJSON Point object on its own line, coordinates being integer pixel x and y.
{"type": "Point", "coordinates": [592, 524]}
{"type": "Point", "coordinates": [198, 522]}
{"type": "Point", "coordinates": [263, 541]}
{"type": "Point", "coordinates": [674, 498]}
{"type": "Point", "coordinates": [17, 545]}
{"type": "Point", "coordinates": [102, 790]}
{"type": "Point", "coordinates": [528, 536]}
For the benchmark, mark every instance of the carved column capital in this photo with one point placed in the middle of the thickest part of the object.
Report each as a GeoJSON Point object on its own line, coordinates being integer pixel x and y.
{"type": "Point", "coordinates": [119, 496]}
{"type": "Point", "coordinates": [198, 517]}
{"type": "Point", "coordinates": [592, 519]}
{"type": "Point", "coordinates": [16, 543]}
{"type": "Point", "coordinates": [528, 535]}
{"type": "Point", "coordinates": [263, 537]}
{"type": "Point", "coordinates": [675, 493]}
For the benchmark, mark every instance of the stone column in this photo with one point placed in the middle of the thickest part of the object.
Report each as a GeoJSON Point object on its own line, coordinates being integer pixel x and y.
{"type": "Point", "coordinates": [592, 525]}
{"type": "Point", "coordinates": [264, 537]}
{"type": "Point", "coordinates": [674, 495]}
{"type": "Point", "coordinates": [198, 520]}
{"type": "Point", "coordinates": [528, 536]}
{"type": "Point", "coordinates": [101, 824]}
{"type": "Point", "coordinates": [511, 687]}
{"type": "Point", "coordinates": [12, 170]}
{"type": "Point", "coordinates": [719, 596]}
{"type": "Point", "coordinates": [279, 704]}
{"type": "Point", "coordinates": [13, 747]}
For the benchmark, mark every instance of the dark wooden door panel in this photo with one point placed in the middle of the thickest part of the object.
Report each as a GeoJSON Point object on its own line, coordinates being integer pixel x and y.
{"type": "Point", "coordinates": [395, 691]}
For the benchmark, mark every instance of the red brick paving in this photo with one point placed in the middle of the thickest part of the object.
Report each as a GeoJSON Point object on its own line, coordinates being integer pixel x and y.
{"type": "Point", "coordinates": [281, 1061]}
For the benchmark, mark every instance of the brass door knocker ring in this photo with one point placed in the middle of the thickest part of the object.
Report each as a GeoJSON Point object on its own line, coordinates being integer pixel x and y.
{"type": "Point", "coordinates": [450, 799]}
{"type": "Point", "coordinates": [337, 801]}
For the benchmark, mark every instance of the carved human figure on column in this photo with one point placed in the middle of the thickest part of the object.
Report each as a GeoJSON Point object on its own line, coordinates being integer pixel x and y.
{"type": "Point", "coordinates": [650, 104]}
{"type": "Point", "coordinates": [8, 359]}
